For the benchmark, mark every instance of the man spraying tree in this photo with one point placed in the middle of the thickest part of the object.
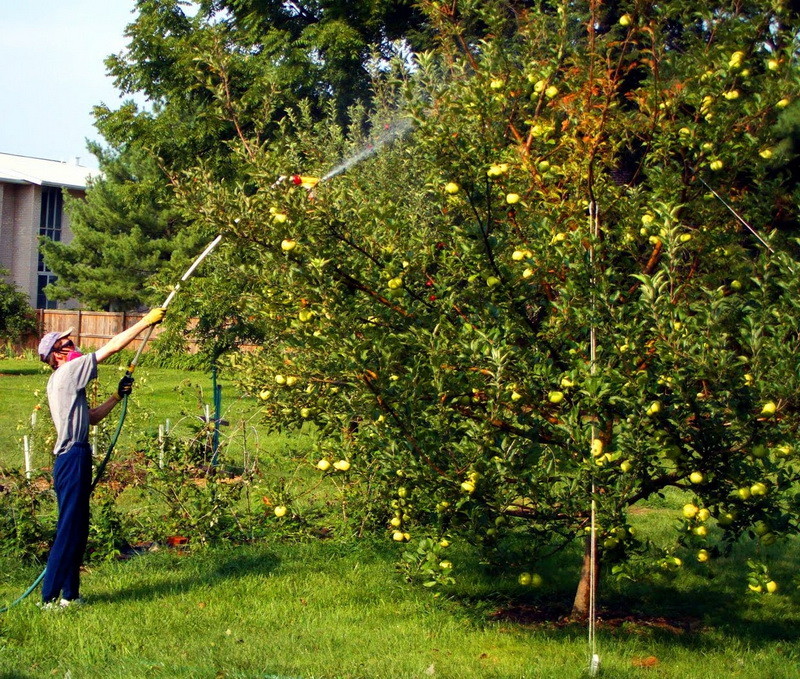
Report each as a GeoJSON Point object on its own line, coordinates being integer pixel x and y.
{"type": "Point", "coordinates": [72, 470]}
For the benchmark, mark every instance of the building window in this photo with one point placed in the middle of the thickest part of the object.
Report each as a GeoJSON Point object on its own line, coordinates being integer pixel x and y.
{"type": "Point", "coordinates": [50, 227]}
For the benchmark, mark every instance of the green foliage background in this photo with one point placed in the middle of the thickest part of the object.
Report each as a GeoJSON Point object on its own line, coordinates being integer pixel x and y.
{"type": "Point", "coordinates": [17, 318]}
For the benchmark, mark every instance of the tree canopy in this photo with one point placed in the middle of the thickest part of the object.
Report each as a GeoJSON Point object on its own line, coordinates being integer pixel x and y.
{"type": "Point", "coordinates": [124, 231]}
{"type": "Point", "coordinates": [548, 287]}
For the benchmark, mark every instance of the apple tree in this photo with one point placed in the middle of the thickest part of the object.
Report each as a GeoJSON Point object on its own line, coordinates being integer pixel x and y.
{"type": "Point", "coordinates": [576, 279]}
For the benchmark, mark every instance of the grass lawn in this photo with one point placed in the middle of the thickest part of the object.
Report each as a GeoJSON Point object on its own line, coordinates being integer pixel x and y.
{"type": "Point", "coordinates": [328, 609]}
{"type": "Point", "coordinates": [306, 608]}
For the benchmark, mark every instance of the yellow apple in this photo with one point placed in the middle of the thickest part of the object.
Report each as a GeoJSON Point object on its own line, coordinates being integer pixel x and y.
{"type": "Point", "coordinates": [323, 465]}
{"type": "Point", "coordinates": [341, 465]}
{"type": "Point", "coordinates": [690, 510]}
{"type": "Point", "coordinates": [736, 59]}
{"type": "Point", "coordinates": [697, 477]}
{"type": "Point", "coordinates": [287, 245]}
{"type": "Point", "coordinates": [451, 188]}
{"type": "Point", "coordinates": [726, 519]}
{"type": "Point", "coordinates": [280, 511]}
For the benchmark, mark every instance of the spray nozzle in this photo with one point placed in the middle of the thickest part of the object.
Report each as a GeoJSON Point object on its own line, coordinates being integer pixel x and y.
{"type": "Point", "coordinates": [305, 182]}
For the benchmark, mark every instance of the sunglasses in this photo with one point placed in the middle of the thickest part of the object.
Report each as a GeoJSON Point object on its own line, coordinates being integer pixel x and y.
{"type": "Point", "coordinates": [69, 344]}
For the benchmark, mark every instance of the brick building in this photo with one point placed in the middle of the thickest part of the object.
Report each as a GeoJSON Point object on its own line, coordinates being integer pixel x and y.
{"type": "Point", "coordinates": [31, 205]}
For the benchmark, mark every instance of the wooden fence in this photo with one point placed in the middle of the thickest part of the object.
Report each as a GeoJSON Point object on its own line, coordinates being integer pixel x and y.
{"type": "Point", "coordinates": [90, 329]}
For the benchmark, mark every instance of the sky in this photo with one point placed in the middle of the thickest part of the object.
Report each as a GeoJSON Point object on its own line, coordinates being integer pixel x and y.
{"type": "Point", "coordinates": [52, 74]}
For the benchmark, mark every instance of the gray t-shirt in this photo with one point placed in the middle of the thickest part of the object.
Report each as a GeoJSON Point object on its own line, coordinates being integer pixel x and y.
{"type": "Point", "coordinates": [66, 393]}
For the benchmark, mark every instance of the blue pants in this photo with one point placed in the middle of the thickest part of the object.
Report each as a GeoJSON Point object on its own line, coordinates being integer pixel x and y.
{"type": "Point", "coordinates": [72, 478]}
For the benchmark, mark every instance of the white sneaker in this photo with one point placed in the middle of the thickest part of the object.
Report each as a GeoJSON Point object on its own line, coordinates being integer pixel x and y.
{"type": "Point", "coordinates": [70, 603]}
{"type": "Point", "coordinates": [50, 605]}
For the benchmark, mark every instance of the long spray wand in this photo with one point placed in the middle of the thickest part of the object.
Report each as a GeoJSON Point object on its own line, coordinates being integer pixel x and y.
{"type": "Point", "coordinates": [170, 297]}
{"type": "Point", "coordinates": [132, 365]}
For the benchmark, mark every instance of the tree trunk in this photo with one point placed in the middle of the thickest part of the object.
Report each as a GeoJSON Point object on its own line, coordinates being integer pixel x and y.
{"type": "Point", "coordinates": [580, 606]}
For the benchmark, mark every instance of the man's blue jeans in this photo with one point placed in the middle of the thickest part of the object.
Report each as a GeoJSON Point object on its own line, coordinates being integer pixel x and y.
{"type": "Point", "coordinates": [72, 478]}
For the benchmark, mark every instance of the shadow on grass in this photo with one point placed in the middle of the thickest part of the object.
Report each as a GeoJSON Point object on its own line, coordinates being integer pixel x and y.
{"type": "Point", "coordinates": [690, 608]}
{"type": "Point", "coordinates": [7, 370]}
{"type": "Point", "coordinates": [204, 570]}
